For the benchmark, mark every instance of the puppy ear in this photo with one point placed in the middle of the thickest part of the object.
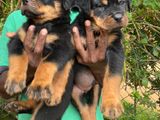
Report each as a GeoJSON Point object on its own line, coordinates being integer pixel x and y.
{"type": "Point", "coordinates": [129, 5]}
{"type": "Point", "coordinates": [95, 3]}
{"type": "Point", "coordinates": [86, 5]}
{"type": "Point", "coordinates": [67, 4]}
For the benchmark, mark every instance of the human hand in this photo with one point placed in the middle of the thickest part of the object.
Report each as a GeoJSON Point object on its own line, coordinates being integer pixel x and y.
{"type": "Point", "coordinates": [34, 52]}
{"type": "Point", "coordinates": [91, 54]}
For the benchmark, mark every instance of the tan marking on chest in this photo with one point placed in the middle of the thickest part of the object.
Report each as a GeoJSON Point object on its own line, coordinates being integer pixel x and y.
{"type": "Point", "coordinates": [51, 38]}
{"type": "Point", "coordinates": [22, 34]}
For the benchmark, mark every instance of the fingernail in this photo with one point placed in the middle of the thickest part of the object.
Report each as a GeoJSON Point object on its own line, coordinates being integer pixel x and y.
{"type": "Point", "coordinates": [31, 27]}
{"type": "Point", "coordinates": [44, 32]}
{"type": "Point", "coordinates": [87, 23]}
{"type": "Point", "coordinates": [75, 29]}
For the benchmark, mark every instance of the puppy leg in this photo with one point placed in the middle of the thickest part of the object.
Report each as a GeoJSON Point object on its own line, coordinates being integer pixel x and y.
{"type": "Point", "coordinates": [93, 106]}
{"type": "Point", "coordinates": [40, 87]}
{"type": "Point", "coordinates": [55, 60]}
{"type": "Point", "coordinates": [85, 82]}
{"type": "Point", "coordinates": [82, 107]}
{"type": "Point", "coordinates": [59, 83]}
{"type": "Point", "coordinates": [111, 103]}
{"type": "Point", "coordinates": [18, 64]}
{"type": "Point", "coordinates": [18, 106]}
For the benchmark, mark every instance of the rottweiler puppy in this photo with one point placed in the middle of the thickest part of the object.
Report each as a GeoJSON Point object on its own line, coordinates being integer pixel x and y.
{"type": "Point", "coordinates": [107, 17]}
{"type": "Point", "coordinates": [51, 76]}
{"type": "Point", "coordinates": [110, 16]}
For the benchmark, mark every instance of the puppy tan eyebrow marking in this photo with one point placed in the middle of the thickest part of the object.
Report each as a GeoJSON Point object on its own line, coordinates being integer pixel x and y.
{"type": "Point", "coordinates": [105, 2]}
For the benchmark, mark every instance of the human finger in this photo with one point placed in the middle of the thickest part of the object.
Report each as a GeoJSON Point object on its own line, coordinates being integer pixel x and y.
{"type": "Point", "coordinates": [78, 43]}
{"type": "Point", "coordinates": [10, 34]}
{"type": "Point", "coordinates": [40, 41]}
{"type": "Point", "coordinates": [90, 38]}
{"type": "Point", "coordinates": [102, 45]}
{"type": "Point", "coordinates": [28, 43]}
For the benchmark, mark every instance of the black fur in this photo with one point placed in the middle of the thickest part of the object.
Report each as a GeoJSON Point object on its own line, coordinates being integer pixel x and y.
{"type": "Point", "coordinates": [115, 57]}
{"type": "Point", "coordinates": [15, 46]}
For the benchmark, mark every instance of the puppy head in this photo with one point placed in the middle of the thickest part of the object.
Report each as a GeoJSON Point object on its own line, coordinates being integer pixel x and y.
{"type": "Point", "coordinates": [41, 11]}
{"type": "Point", "coordinates": [110, 14]}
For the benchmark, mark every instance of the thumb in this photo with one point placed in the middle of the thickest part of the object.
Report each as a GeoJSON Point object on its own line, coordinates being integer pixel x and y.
{"type": "Point", "coordinates": [10, 34]}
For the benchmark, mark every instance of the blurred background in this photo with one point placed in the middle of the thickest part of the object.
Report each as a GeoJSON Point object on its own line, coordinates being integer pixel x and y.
{"type": "Point", "coordinates": [140, 91]}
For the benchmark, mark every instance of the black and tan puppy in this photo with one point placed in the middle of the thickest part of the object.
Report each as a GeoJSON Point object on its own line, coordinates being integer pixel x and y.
{"type": "Point", "coordinates": [108, 17]}
{"type": "Point", "coordinates": [51, 76]}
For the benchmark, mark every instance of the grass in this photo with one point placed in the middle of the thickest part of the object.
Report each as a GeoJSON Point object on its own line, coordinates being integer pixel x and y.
{"type": "Point", "coordinates": [142, 113]}
{"type": "Point", "coordinates": [3, 114]}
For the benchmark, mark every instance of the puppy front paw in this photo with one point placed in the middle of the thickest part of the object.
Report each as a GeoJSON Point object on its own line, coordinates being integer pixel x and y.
{"type": "Point", "coordinates": [55, 100]}
{"type": "Point", "coordinates": [112, 108]}
{"type": "Point", "coordinates": [37, 91]}
{"type": "Point", "coordinates": [15, 84]}
{"type": "Point", "coordinates": [56, 97]}
{"type": "Point", "coordinates": [14, 106]}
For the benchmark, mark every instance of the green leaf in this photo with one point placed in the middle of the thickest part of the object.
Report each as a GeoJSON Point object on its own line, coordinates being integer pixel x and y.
{"type": "Point", "coordinates": [145, 82]}
{"type": "Point", "coordinates": [136, 94]}
{"type": "Point", "coordinates": [155, 53]}
{"type": "Point", "coordinates": [144, 41]}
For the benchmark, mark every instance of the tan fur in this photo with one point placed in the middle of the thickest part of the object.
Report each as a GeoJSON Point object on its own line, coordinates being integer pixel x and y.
{"type": "Point", "coordinates": [18, 67]}
{"type": "Point", "coordinates": [109, 23]}
{"type": "Point", "coordinates": [22, 34]}
{"type": "Point", "coordinates": [44, 74]}
{"type": "Point", "coordinates": [111, 38]}
{"type": "Point", "coordinates": [83, 109]}
{"type": "Point", "coordinates": [26, 105]}
{"type": "Point", "coordinates": [111, 95]}
{"type": "Point", "coordinates": [105, 2]}
{"type": "Point", "coordinates": [92, 108]}
{"type": "Point", "coordinates": [51, 38]}
{"type": "Point", "coordinates": [59, 83]}
{"type": "Point", "coordinates": [48, 12]}
{"type": "Point", "coordinates": [111, 85]}
{"type": "Point", "coordinates": [88, 112]}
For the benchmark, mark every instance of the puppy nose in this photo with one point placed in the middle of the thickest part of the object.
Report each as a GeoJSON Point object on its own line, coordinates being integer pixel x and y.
{"type": "Point", "coordinates": [117, 17]}
{"type": "Point", "coordinates": [26, 2]}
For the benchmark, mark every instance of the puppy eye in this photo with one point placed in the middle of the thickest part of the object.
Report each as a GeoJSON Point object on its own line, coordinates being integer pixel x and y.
{"type": "Point", "coordinates": [100, 5]}
{"type": "Point", "coordinates": [122, 2]}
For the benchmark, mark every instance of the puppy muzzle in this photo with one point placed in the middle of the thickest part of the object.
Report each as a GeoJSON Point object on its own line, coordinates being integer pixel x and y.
{"type": "Point", "coordinates": [29, 8]}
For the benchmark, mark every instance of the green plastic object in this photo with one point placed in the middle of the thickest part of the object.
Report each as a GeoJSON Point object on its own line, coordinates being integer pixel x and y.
{"type": "Point", "coordinates": [73, 15]}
